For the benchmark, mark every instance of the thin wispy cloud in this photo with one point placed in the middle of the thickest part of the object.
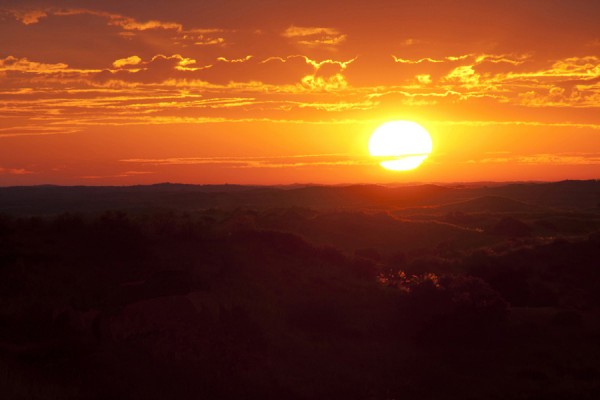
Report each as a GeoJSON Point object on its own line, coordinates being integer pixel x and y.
{"type": "Point", "coordinates": [290, 161]}
{"type": "Point", "coordinates": [590, 159]}
{"type": "Point", "coordinates": [14, 171]}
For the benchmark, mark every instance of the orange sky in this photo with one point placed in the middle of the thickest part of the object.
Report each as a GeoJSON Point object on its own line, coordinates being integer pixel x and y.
{"type": "Point", "coordinates": [269, 92]}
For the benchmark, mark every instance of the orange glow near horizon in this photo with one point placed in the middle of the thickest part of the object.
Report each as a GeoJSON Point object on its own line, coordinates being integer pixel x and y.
{"type": "Point", "coordinates": [218, 92]}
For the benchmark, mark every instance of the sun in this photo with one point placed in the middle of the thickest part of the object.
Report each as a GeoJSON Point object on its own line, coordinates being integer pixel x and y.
{"type": "Point", "coordinates": [402, 145]}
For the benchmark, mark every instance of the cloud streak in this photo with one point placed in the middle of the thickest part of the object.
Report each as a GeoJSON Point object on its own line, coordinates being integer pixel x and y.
{"type": "Point", "coordinates": [589, 159]}
{"type": "Point", "coordinates": [291, 161]}
{"type": "Point", "coordinates": [14, 171]}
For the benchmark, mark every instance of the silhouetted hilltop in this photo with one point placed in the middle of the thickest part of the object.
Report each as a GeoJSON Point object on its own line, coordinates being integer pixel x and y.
{"type": "Point", "coordinates": [56, 199]}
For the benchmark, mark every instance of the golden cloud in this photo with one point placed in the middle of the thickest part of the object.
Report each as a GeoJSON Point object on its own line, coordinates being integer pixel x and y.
{"type": "Point", "coordinates": [568, 82]}
{"type": "Point", "coordinates": [520, 123]}
{"type": "Point", "coordinates": [158, 69]}
{"type": "Point", "coordinates": [203, 41]}
{"type": "Point", "coordinates": [502, 58]}
{"type": "Point", "coordinates": [12, 63]}
{"type": "Point", "coordinates": [465, 75]}
{"type": "Point", "coordinates": [424, 78]}
{"type": "Point", "coordinates": [430, 60]}
{"type": "Point", "coordinates": [235, 60]}
{"type": "Point", "coordinates": [126, 23]}
{"type": "Point", "coordinates": [28, 17]}
{"type": "Point", "coordinates": [332, 83]}
{"type": "Point", "coordinates": [314, 36]}
{"type": "Point", "coordinates": [304, 31]}
{"type": "Point", "coordinates": [176, 88]}
{"type": "Point", "coordinates": [122, 62]}
{"type": "Point", "coordinates": [130, 27]}
{"type": "Point", "coordinates": [201, 37]}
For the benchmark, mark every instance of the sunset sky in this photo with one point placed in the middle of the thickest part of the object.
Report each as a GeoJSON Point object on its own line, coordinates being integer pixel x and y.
{"type": "Point", "coordinates": [276, 92]}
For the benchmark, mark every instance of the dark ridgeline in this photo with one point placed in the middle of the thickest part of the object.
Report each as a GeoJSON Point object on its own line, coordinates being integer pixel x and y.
{"type": "Point", "coordinates": [305, 292]}
{"type": "Point", "coordinates": [49, 199]}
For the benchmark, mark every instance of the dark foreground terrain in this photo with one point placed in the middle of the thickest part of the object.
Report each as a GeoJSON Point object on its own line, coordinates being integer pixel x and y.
{"type": "Point", "coordinates": [359, 292]}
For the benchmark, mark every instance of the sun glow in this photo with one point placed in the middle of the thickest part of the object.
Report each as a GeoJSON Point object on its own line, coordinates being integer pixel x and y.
{"type": "Point", "coordinates": [403, 145]}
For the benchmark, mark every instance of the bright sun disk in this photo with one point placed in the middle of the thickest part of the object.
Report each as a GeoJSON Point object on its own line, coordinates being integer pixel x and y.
{"type": "Point", "coordinates": [402, 145]}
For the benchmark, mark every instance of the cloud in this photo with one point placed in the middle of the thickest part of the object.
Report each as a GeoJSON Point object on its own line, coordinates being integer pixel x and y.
{"type": "Point", "coordinates": [137, 120]}
{"type": "Point", "coordinates": [173, 89]}
{"type": "Point", "coordinates": [328, 62]}
{"type": "Point", "coordinates": [129, 26]}
{"type": "Point", "coordinates": [210, 42]}
{"type": "Point", "coordinates": [158, 69]}
{"type": "Point", "coordinates": [326, 75]}
{"type": "Point", "coordinates": [291, 161]}
{"type": "Point", "coordinates": [222, 72]}
{"type": "Point", "coordinates": [124, 22]}
{"type": "Point", "coordinates": [14, 171]}
{"type": "Point", "coordinates": [234, 60]}
{"type": "Point", "coordinates": [201, 39]}
{"type": "Point", "coordinates": [409, 98]}
{"type": "Point", "coordinates": [465, 75]}
{"type": "Point", "coordinates": [520, 123]}
{"type": "Point", "coordinates": [296, 69]}
{"type": "Point", "coordinates": [337, 106]}
{"type": "Point", "coordinates": [125, 174]}
{"type": "Point", "coordinates": [123, 62]}
{"type": "Point", "coordinates": [430, 60]}
{"type": "Point", "coordinates": [331, 83]}
{"type": "Point", "coordinates": [556, 96]}
{"type": "Point", "coordinates": [11, 63]}
{"type": "Point", "coordinates": [502, 58]}
{"type": "Point", "coordinates": [282, 74]}
{"type": "Point", "coordinates": [569, 82]}
{"type": "Point", "coordinates": [179, 89]}
{"type": "Point", "coordinates": [314, 36]}
{"type": "Point", "coordinates": [544, 159]}
{"type": "Point", "coordinates": [28, 17]}
{"type": "Point", "coordinates": [33, 16]}
{"type": "Point", "coordinates": [424, 78]}
{"type": "Point", "coordinates": [409, 42]}
{"type": "Point", "coordinates": [39, 130]}
{"type": "Point", "coordinates": [510, 78]}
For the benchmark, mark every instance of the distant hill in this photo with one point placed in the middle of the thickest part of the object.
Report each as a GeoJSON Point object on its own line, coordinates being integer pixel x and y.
{"type": "Point", "coordinates": [564, 194]}
{"type": "Point", "coordinates": [44, 200]}
{"type": "Point", "coordinates": [350, 231]}
{"type": "Point", "coordinates": [491, 204]}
